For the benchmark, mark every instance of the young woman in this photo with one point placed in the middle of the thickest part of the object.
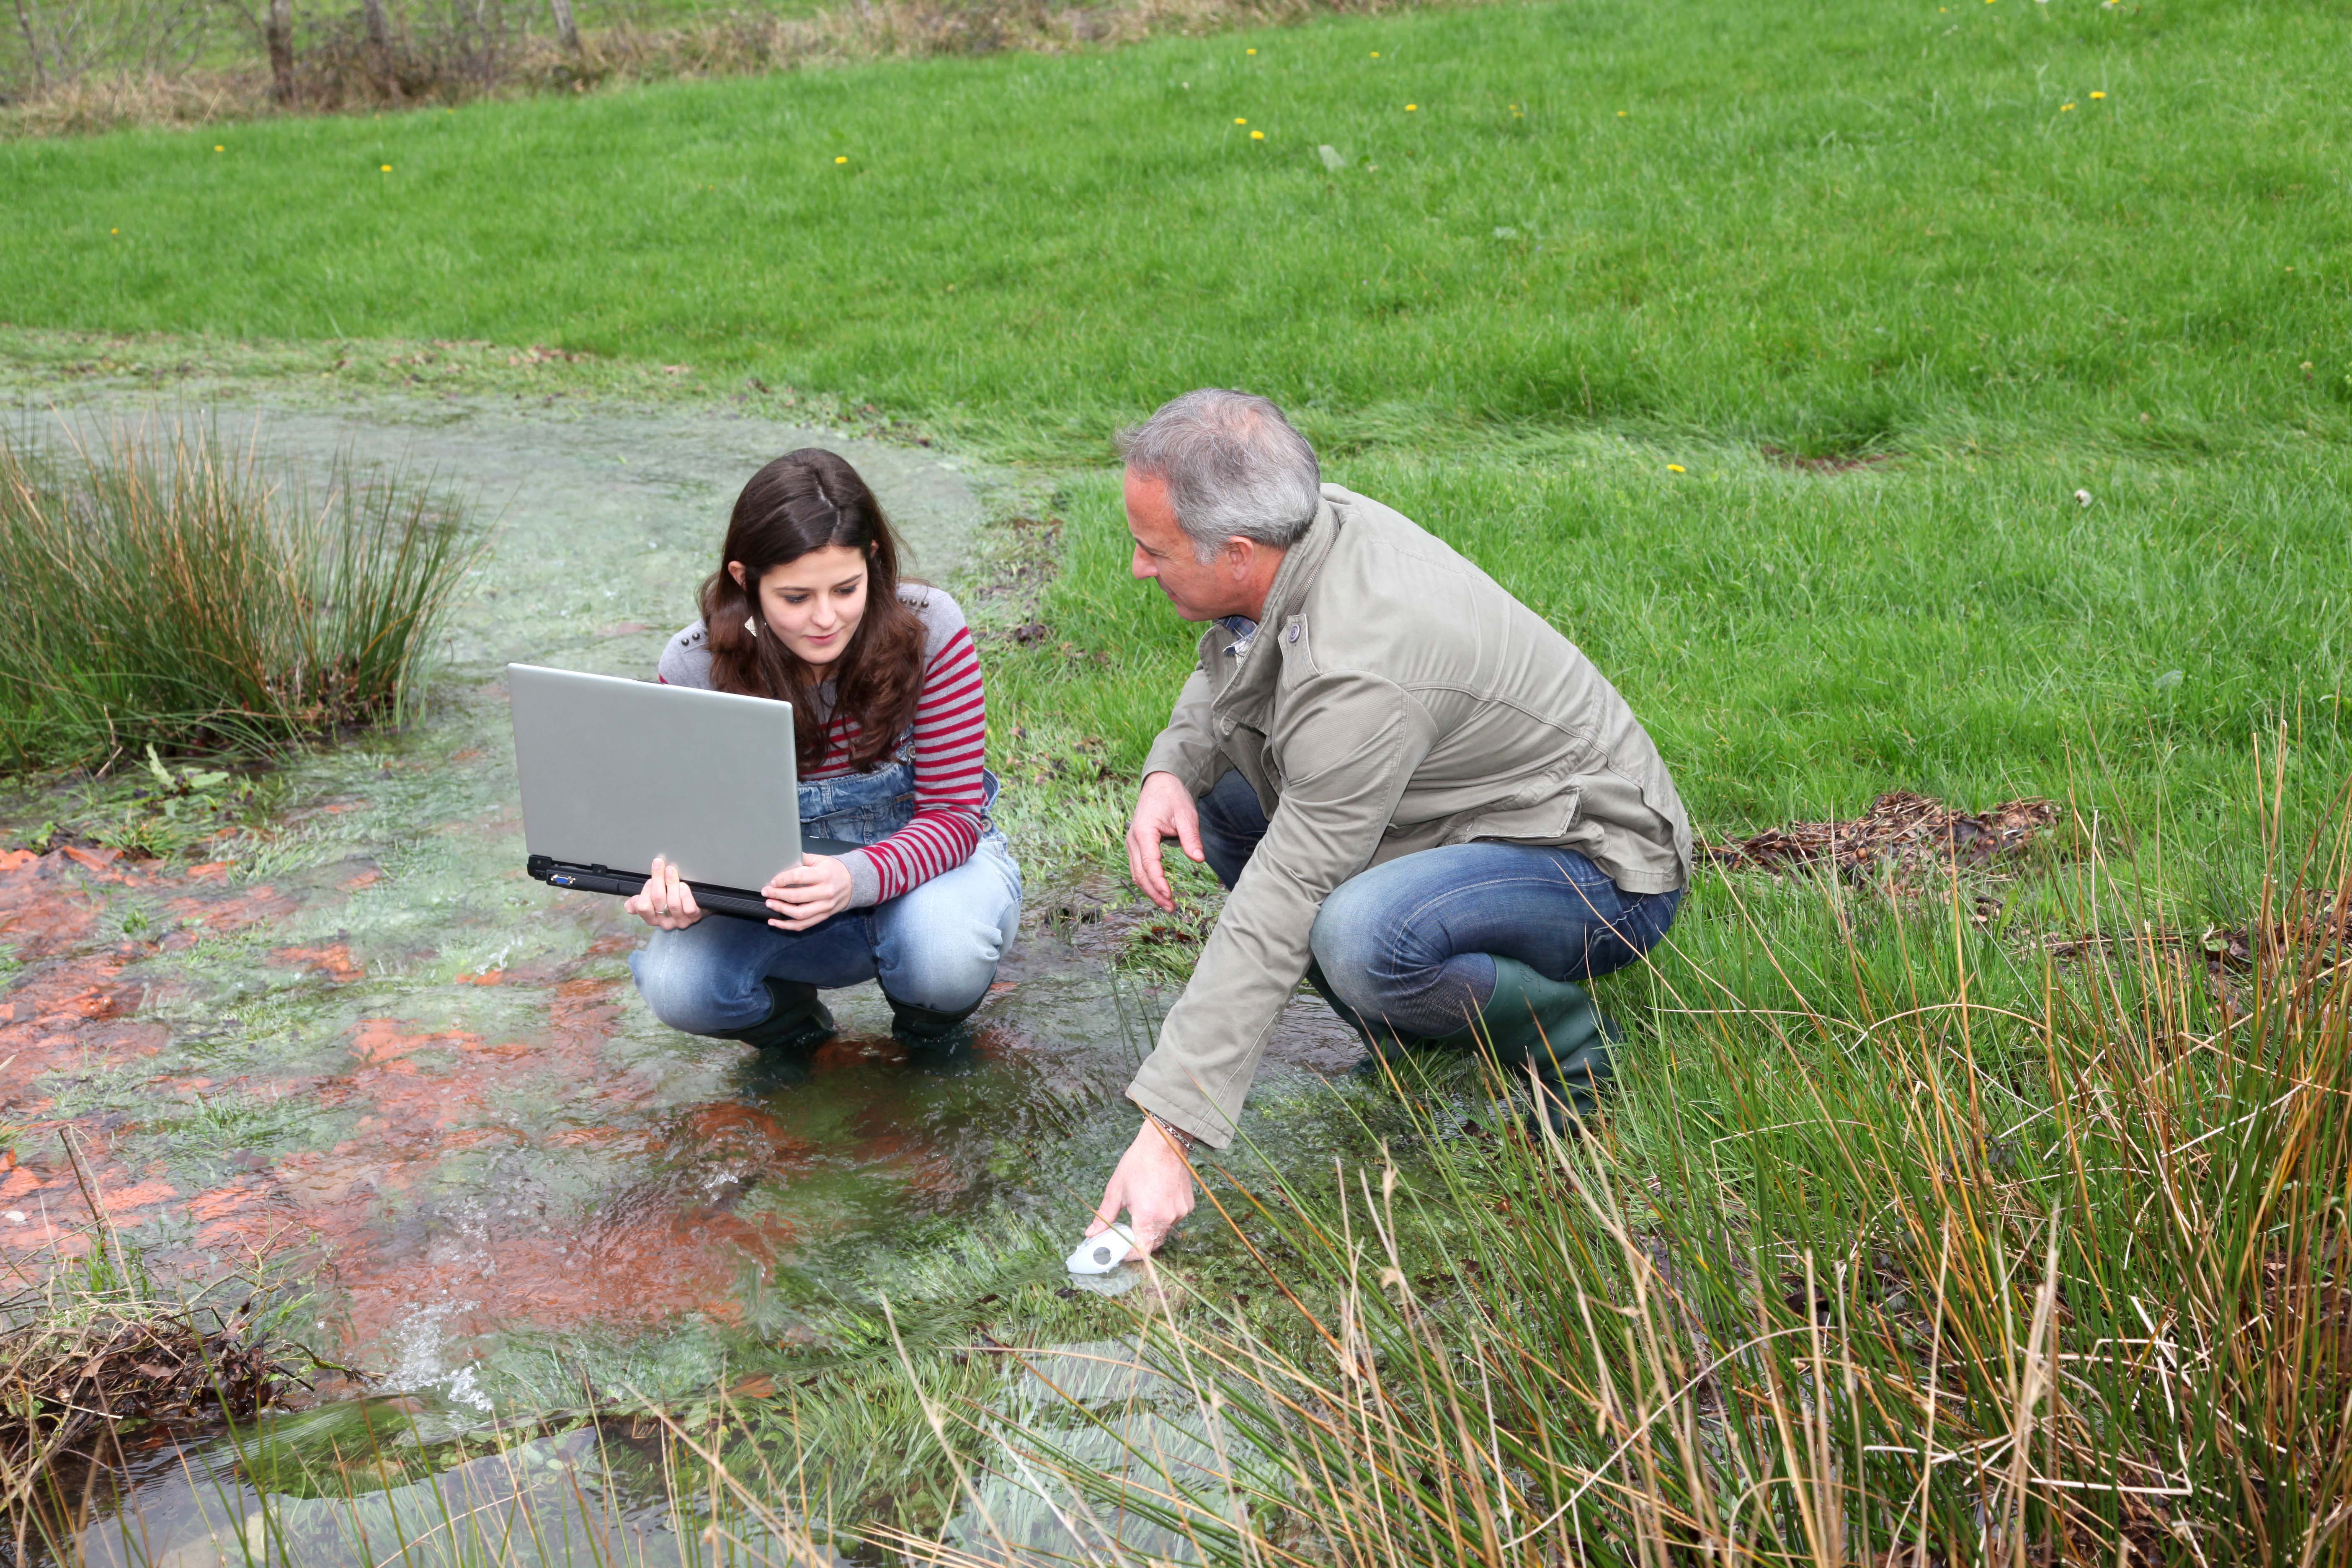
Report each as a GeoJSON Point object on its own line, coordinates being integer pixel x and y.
{"type": "Point", "coordinates": [806, 607]}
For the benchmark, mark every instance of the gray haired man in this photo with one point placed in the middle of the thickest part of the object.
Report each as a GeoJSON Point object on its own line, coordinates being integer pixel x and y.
{"type": "Point", "coordinates": [1421, 796]}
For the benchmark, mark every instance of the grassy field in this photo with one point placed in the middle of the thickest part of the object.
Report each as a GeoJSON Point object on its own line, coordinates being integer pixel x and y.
{"type": "Point", "coordinates": [1830, 227]}
{"type": "Point", "coordinates": [1601, 240]}
{"type": "Point", "coordinates": [1951, 397]}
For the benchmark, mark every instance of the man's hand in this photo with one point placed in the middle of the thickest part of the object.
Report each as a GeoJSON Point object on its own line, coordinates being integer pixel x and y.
{"type": "Point", "coordinates": [814, 891]}
{"type": "Point", "coordinates": [664, 902]}
{"type": "Point", "coordinates": [1164, 810]}
{"type": "Point", "coordinates": [1153, 1184]}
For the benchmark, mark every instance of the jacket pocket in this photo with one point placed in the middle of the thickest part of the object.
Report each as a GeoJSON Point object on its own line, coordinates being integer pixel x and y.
{"type": "Point", "coordinates": [1518, 820]}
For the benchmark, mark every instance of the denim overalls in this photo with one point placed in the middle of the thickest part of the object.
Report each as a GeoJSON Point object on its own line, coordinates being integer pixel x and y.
{"type": "Point", "coordinates": [935, 946]}
{"type": "Point", "coordinates": [866, 808]}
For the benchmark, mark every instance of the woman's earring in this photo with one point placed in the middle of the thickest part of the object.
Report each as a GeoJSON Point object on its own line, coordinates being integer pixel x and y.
{"type": "Point", "coordinates": [751, 624]}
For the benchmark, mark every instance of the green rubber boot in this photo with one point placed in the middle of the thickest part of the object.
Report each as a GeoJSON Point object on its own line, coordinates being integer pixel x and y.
{"type": "Point", "coordinates": [796, 1022]}
{"type": "Point", "coordinates": [1554, 1026]}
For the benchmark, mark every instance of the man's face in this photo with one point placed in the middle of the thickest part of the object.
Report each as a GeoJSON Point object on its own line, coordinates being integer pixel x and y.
{"type": "Point", "coordinates": [1200, 591]}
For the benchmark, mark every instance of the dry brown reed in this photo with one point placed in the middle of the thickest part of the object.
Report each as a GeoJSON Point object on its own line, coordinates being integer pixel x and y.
{"type": "Point", "coordinates": [341, 69]}
{"type": "Point", "coordinates": [1987, 1260]}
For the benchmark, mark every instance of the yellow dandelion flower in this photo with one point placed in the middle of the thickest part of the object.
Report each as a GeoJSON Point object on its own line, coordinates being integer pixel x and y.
{"type": "Point", "coordinates": [2098, 95]}
{"type": "Point", "coordinates": [2064, 107]}
{"type": "Point", "coordinates": [1251, 51]}
{"type": "Point", "coordinates": [218, 148]}
{"type": "Point", "coordinates": [1257, 135]}
{"type": "Point", "coordinates": [386, 168]}
{"type": "Point", "coordinates": [844, 158]}
{"type": "Point", "coordinates": [1621, 114]}
{"type": "Point", "coordinates": [1376, 54]}
{"type": "Point", "coordinates": [1239, 120]}
{"type": "Point", "coordinates": [1411, 107]}
{"type": "Point", "coordinates": [114, 231]}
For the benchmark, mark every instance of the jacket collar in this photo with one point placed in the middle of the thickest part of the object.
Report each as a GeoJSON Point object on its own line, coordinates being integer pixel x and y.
{"type": "Point", "coordinates": [1253, 685]}
{"type": "Point", "coordinates": [1301, 564]}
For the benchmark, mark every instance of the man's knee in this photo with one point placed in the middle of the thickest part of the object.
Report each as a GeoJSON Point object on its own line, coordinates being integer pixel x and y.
{"type": "Point", "coordinates": [1347, 942]}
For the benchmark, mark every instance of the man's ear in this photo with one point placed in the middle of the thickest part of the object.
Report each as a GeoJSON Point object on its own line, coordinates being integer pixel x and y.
{"type": "Point", "coordinates": [735, 570]}
{"type": "Point", "coordinates": [1241, 554]}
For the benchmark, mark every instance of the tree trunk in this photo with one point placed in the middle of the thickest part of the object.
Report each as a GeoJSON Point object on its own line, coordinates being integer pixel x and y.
{"type": "Point", "coordinates": [379, 43]}
{"type": "Point", "coordinates": [32, 47]}
{"type": "Point", "coordinates": [280, 34]}
{"type": "Point", "coordinates": [567, 28]}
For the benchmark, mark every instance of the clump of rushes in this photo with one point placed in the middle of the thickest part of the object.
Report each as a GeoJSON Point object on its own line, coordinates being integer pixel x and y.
{"type": "Point", "coordinates": [1910, 1244]}
{"type": "Point", "coordinates": [161, 588]}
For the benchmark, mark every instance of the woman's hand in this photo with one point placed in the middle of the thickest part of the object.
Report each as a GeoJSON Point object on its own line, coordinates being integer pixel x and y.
{"type": "Point", "coordinates": [664, 902]}
{"type": "Point", "coordinates": [810, 892]}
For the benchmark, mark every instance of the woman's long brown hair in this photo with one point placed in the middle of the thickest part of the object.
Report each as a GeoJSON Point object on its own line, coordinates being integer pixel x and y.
{"type": "Point", "coordinates": [807, 500]}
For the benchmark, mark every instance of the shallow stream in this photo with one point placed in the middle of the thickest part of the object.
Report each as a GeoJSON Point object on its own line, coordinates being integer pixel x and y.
{"type": "Point", "coordinates": [361, 1053]}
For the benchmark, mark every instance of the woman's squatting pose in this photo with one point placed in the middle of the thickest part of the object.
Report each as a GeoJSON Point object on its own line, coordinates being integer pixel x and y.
{"type": "Point", "coordinates": [890, 722]}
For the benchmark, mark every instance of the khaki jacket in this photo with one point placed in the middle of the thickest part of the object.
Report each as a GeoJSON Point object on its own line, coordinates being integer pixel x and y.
{"type": "Point", "coordinates": [1394, 699]}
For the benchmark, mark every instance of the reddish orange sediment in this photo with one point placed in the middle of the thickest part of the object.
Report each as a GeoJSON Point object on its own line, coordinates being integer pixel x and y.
{"type": "Point", "coordinates": [401, 1202]}
{"type": "Point", "coordinates": [333, 960]}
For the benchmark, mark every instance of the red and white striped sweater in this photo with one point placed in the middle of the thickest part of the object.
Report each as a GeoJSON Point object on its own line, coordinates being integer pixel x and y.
{"type": "Point", "coordinates": [950, 736]}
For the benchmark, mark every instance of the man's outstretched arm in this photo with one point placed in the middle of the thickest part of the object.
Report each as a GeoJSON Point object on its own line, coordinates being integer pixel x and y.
{"type": "Point", "coordinates": [1356, 741]}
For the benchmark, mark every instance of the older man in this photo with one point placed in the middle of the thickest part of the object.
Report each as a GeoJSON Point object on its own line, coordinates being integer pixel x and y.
{"type": "Point", "coordinates": [1421, 797]}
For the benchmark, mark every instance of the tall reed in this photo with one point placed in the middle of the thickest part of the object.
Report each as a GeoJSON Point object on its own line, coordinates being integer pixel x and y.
{"type": "Point", "coordinates": [1995, 1250]}
{"type": "Point", "coordinates": [163, 586]}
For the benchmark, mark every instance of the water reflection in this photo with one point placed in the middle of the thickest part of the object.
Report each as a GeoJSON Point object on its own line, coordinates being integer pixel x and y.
{"type": "Point", "coordinates": [582, 1497]}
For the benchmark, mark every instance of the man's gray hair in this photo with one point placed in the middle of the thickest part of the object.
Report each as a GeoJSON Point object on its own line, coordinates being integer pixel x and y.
{"type": "Point", "coordinates": [1233, 465]}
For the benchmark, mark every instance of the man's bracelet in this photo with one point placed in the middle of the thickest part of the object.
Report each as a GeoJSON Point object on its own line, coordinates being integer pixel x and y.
{"type": "Point", "coordinates": [1183, 1141]}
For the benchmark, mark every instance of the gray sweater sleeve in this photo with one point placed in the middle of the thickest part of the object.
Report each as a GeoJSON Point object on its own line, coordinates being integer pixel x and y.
{"type": "Point", "coordinates": [685, 659]}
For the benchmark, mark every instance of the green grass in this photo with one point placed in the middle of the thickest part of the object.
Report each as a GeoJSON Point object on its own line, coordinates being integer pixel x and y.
{"type": "Point", "coordinates": [1797, 644]}
{"type": "Point", "coordinates": [1812, 230]}
{"type": "Point", "coordinates": [1831, 227]}
{"type": "Point", "coordinates": [2059, 1227]}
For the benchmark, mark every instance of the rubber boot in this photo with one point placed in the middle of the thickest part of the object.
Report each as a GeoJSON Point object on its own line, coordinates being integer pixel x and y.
{"type": "Point", "coordinates": [925, 1026]}
{"type": "Point", "coordinates": [796, 1021]}
{"type": "Point", "coordinates": [1554, 1026]}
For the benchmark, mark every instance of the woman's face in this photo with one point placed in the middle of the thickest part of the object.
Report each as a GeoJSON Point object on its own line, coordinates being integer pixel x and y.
{"type": "Point", "coordinates": [813, 603]}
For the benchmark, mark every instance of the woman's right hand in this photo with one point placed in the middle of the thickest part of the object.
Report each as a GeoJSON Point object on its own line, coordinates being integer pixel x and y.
{"type": "Point", "coordinates": [664, 902]}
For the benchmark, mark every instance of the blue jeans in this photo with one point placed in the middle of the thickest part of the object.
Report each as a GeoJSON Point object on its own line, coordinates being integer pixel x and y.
{"type": "Point", "coordinates": [934, 946]}
{"type": "Point", "coordinates": [1408, 948]}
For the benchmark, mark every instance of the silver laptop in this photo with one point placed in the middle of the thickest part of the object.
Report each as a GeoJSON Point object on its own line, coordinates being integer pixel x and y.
{"type": "Point", "coordinates": [615, 772]}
